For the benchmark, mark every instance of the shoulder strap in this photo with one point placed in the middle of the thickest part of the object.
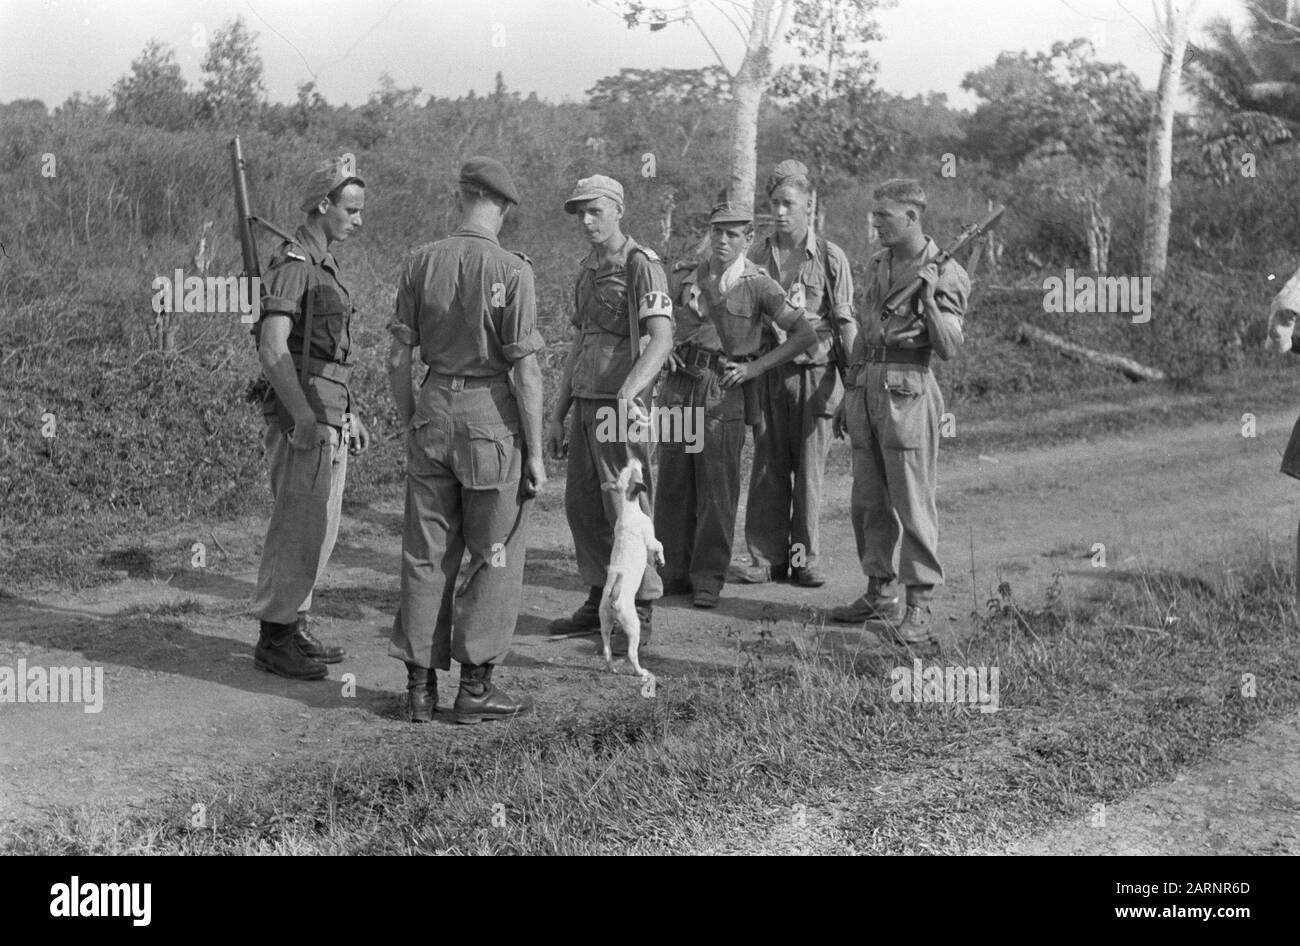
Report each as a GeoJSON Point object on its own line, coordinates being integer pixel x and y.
{"type": "Point", "coordinates": [633, 322]}
{"type": "Point", "coordinates": [306, 339]}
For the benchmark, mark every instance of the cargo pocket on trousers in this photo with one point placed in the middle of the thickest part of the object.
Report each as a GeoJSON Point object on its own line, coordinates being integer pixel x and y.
{"type": "Point", "coordinates": [494, 458]}
{"type": "Point", "coordinates": [908, 417]}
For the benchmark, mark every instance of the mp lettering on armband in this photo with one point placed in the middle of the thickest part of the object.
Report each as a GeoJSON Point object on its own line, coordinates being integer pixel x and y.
{"type": "Point", "coordinates": [656, 303]}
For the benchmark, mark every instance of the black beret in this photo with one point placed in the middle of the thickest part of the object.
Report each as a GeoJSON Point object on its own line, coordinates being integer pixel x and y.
{"type": "Point", "coordinates": [491, 174]}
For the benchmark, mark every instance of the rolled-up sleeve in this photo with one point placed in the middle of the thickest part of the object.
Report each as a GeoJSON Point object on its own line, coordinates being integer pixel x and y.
{"type": "Point", "coordinates": [519, 334]}
{"type": "Point", "coordinates": [405, 326]}
{"type": "Point", "coordinates": [842, 299]}
{"type": "Point", "coordinates": [285, 284]}
{"type": "Point", "coordinates": [649, 287]}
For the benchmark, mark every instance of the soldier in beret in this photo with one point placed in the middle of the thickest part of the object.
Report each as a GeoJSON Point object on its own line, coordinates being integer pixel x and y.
{"type": "Point", "coordinates": [304, 345]}
{"type": "Point", "coordinates": [473, 450]}
{"type": "Point", "coordinates": [620, 298]}
{"type": "Point", "coordinates": [723, 307]}
{"type": "Point", "coordinates": [799, 398]}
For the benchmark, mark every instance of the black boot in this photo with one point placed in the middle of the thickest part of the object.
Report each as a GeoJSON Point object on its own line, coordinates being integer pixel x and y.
{"type": "Point", "coordinates": [478, 699]}
{"type": "Point", "coordinates": [421, 693]}
{"type": "Point", "coordinates": [325, 653]}
{"type": "Point", "coordinates": [278, 652]}
{"type": "Point", "coordinates": [586, 618]}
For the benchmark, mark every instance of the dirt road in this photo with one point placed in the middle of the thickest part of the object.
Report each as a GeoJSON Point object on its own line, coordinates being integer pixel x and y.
{"type": "Point", "coordinates": [182, 698]}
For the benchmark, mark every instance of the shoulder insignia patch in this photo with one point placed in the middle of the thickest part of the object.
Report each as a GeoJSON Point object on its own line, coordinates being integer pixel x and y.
{"type": "Point", "coordinates": [294, 251]}
{"type": "Point", "coordinates": [522, 257]}
{"type": "Point", "coordinates": [650, 254]}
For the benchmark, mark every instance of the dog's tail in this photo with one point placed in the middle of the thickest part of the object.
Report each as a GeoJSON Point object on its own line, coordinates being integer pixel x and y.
{"type": "Point", "coordinates": [615, 587]}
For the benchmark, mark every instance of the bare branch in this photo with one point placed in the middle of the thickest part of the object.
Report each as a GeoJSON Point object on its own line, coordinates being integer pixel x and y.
{"type": "Point", "coordinates": [736, 26]}
{"type": "Point", "coordinates": [722, 62]}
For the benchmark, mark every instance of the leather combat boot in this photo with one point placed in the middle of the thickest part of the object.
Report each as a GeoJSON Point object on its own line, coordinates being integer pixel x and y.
{"type": "Point", "coordinates": [421, 693]}
{"type": "Point", "coordinates": [325, 653]}
{"type": "Point", "coordinates": [915, 631]}
{"type": "Point", "coordinates": [278, 652]}
{"type": "Point", "coordinates": [875, 605]}
{"type": "Point", "coordinates": [478, 699]}
{"type": "Point", "coordinates": [586, 618]}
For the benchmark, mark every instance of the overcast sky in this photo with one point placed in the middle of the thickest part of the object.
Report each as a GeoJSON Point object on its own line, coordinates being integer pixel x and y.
{"type": "Point", "coordinates": [558, 48]}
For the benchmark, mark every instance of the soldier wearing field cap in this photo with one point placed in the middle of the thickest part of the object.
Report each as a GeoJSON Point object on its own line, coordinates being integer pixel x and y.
{"type": "Point", "coordinates": [891, 413]}
{"type": "Point", "coordinates": [620, 298]}
{"type": "Point", "coordinates": [723, 307]}
{"type": "Point", "coordinates": [799, 398]}
{"type": "Point", "coordinates": [473, 449]}
{"type": "Point", "coordinates": [305, 347]}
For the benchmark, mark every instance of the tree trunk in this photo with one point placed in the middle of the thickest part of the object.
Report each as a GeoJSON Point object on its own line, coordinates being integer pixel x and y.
{"type": "Point", "coordinates": [747, 94]}
{"type": "Point", "coordinates": [1131, 369]}
{"type": "Point", "coordinates": [1160, 142]}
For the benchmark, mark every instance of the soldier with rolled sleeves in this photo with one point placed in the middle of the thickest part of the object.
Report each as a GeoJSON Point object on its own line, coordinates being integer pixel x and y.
{"type": "Point", "coordinates": [311, 424]}
{"type": "Point", "coordinates": [473, 450]}
{"type": "Point", "coordinates": [723, 307]}
{"type": "Point", "coordinates": [608, 375]}
{"type": "Point", "coordinates": [799, 398]}
{"type": "Point", "coordinates": [891, 413]}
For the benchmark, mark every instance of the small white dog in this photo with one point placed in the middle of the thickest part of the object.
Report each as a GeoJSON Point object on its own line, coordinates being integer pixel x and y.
{"type": "Point", "coordinates": [634, 546]}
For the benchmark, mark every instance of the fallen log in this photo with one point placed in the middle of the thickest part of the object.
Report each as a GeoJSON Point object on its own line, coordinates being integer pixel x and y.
{"type": "Point", "coordinates": [1131, 369]}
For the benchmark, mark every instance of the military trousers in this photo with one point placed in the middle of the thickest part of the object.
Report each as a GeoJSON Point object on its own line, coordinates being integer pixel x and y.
{"type": "Point", "coordinates": [696, 521]}
{"type": "Point", "coordinates": [307, 486]}
{"type": "Point", "coordinates": [463, 539]}
{"type": "Point", "coordinates": [596, 455]}
{"type": "Point", "coordinates": [892, 418]}
{"type": "Point", "coordinates": [782, 511]}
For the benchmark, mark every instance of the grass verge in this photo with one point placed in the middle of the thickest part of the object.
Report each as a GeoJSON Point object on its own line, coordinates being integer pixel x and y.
{"type": "Point", "coordinates": [799, 747]}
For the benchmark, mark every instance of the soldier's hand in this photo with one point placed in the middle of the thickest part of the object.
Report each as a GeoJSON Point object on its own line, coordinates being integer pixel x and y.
{"type": "Point", "coordinates": [304, 434]}
{"type": "Point", "coordinates": [556, 439]}
{"type": "Point", "coordinates": [360, 437]}
{"type": "Point", "coordinates": [534, 476]}
{"type": "Point", "coordinates": [674, 361]}
{"type": "Point", "coordinates": [837, 422]}
{"type": "Point", "coordinates": [737, 372]}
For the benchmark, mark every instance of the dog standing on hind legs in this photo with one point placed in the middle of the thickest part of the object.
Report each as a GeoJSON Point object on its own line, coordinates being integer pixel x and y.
{"type": "Point", "coordinates": [634, 547]}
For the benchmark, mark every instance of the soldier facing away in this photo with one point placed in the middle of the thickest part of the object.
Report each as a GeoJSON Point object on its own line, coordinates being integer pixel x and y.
{"type": "Point", "coordinates": [311, 423]}
{"type": "Point", "coordinates": [470, 307]}
{"type": "Point", "coordinates": [891, 413]}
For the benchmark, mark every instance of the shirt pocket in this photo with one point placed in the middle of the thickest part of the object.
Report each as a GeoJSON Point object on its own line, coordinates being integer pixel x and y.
{"type": "Point", "coordinates": [329, 315]}
{"type": "Point", "coordinates": [911, 413]}
{"type": "Point", "coordinates": [494, 456]}
{"type": "Point", "coordinates": [740, 328]}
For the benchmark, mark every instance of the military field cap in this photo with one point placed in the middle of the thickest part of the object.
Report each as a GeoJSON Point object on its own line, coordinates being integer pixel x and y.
{"type": "Point", "coordinates": [491, 174]}
{"type": "Point", "coordinates": [788, 172]}
{"type": "Point", "coordinates": [322, 179]}
{"type": "Point", "coordinates": [727, 210]}
{"type": "Point", "coordinates": [589, 188]}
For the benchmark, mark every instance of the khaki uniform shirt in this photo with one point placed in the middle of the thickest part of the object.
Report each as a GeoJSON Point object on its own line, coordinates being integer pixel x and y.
{"type": "Point", "coordinates": [296, 269]}
{"type": "Point", "coordinates": [907, 329]}
{"type": "Point", "coordinates": [733, 323]}
{"type": "Point", "coordinates": [470, 305]}
{"type": "Point", "coordinates": [809, 288]}
{"type": "Point", "coordinates": [601, 301]}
